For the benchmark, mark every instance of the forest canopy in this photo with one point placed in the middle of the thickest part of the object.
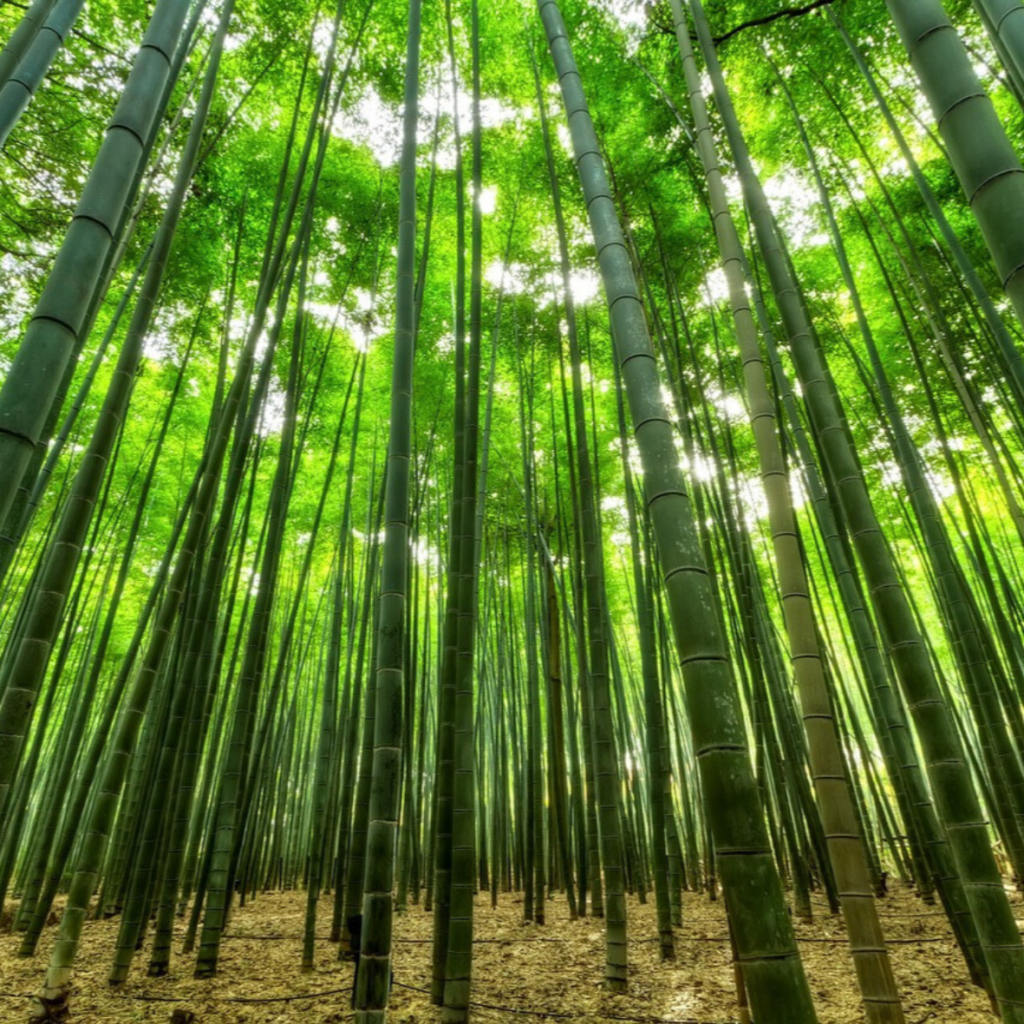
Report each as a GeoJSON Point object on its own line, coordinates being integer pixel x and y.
{"type": "Point", "coordinates": [569, 452]}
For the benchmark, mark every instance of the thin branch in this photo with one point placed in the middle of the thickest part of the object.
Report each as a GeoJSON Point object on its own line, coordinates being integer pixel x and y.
{"type": "Point", "coordinates": [786, 12]}
{"type": "Point", "coordinates": [765, 19]}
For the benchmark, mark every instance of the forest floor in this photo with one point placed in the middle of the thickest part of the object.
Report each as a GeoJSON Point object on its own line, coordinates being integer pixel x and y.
{"type": "Point", "coordinates": [521, 972]}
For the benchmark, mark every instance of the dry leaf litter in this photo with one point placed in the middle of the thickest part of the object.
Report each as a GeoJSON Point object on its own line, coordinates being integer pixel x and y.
{"type": "Point", "coordinates": [521, 972]}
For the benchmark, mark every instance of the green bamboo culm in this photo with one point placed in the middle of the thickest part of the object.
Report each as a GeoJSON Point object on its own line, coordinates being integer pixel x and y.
{"type": "Point", "coordinates": [134, 918]}
{"type": "Point", "coordinates": [373, 982]}
{"type": "Point", "coordinates": [44, 618]}
{"type": "Point", "coordinates": [167, 597]}
{"type": "Point", "coordinates": [980, 152]}
{"type": "Point", "coordinates": [1004, 22]}
{"type": "Point", "coordinates": [21, 38]}
{"type": "Point", "coordinates": [326, 765]}
{"type": "Point", "coordinates": [968, 633]}
{"type": "Point", "coordinates": [21, 83]}
{"type": "Point", "coordinates": [955, 798]}
{"type": "Point", "coordinates": [54, 331]}
{"type": "Point", "coordinates": [37, 473]}
{"type": "Point", "coordinates": [458, 968]}
{"type": "Point", "coordinates": [601, 733]}
{"type": "Point", "coordinates": [445, 740]}
{"type": "Point", "coordinates": [772, 971]}
{"type": "Point", "coordinates": [1000, 333]}
{"type": "Point", "coordinates": [845, 844]}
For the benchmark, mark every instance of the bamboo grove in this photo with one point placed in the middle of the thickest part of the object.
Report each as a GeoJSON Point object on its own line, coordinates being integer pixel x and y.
{"type": "Point", "coordinates": [454, 451]}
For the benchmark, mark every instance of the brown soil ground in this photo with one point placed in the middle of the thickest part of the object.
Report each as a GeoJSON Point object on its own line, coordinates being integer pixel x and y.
{"type": "Point", "coordinates": [521, 972]}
